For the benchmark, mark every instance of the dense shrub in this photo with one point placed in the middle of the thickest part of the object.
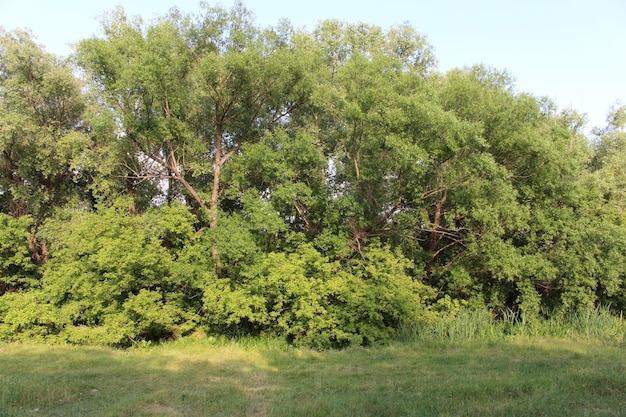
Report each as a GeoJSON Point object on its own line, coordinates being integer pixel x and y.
{"type": "Point", "coordinates": [18, 271]}
{"type": "Point", "coordinates": [312, 301]}
{"type": "Point", "coordinates": [109, 279]}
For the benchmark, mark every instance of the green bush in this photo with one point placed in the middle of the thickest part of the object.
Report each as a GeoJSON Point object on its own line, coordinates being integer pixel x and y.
{"type": "Point", "coordinates": [17, 269]}
{"type": "Point", "coordinates": [27, 315]}
{"type": "Point", "coordinates": [311, 301]}
{"type": "Point", "coordinates": [109, 280]}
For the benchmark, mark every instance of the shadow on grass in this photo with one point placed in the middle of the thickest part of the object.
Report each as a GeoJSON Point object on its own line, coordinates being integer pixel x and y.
{"type": "Point", "coordinates": [83, 381]}
{"type": "Point", "coordinates": [506, 378]}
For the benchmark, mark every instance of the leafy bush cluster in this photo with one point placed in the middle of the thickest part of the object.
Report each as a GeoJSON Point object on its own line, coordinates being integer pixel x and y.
{"type": "Point", "coordinates": [113, 278]}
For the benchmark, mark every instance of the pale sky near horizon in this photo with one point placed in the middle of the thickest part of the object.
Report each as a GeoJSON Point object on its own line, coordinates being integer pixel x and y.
{"type": "Point", "coordinates": [573, 51]}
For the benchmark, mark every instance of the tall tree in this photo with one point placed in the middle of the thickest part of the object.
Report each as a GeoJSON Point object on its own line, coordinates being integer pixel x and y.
{"type": "Point", "coordinates": [609, 179]}
{"type": "Point", "coordinates": [191, 91]}
{"type": "Point", "coordinates": [41, 128]}
{"type": "Point", "coordinates": [371, 75]}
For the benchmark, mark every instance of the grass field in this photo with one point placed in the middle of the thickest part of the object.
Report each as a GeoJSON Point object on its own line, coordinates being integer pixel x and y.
{"type": "Point", "coordinates": [519, 376]}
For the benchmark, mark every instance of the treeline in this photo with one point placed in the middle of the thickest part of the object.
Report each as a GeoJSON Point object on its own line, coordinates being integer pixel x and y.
{"type": "Point", "coordinates": [329, 187]}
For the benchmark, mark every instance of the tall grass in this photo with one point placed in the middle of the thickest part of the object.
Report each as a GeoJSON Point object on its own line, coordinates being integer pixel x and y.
{"type": "Point", "coordinates": [597, 323]}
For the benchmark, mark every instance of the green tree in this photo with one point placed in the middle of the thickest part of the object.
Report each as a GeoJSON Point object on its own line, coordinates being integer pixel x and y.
{"type": "Point", "coordinates": [540, 194]}
{"type": "Point", "coordinates": [609, 179]}
{"type": "Point", "coordinates": [41, 129]}
{"type": "Point", "coordinates": [191, 91]}
{"type": "Point", "coordinates": [609, 159]}
{"type": "Point", "coordinates": [373, 163]}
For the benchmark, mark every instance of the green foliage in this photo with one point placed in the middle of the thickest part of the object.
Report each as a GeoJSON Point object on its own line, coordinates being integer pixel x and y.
{"type": "Point", "coordinates": [41, 134]}
{"type": "Point", "coordinates": [27, 315]}
{"type": "Point", "coordinates": [327, 187]}
{"type": "Point", "coordinates": [311, 301]}
{"type": "Point", "coordinates": [108, 279]}
{"type": "Point", "coordinates": [18, 271]}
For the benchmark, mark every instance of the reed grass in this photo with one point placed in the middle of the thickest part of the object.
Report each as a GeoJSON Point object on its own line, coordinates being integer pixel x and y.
{"type": "Point", "coordinates": [597, 323]}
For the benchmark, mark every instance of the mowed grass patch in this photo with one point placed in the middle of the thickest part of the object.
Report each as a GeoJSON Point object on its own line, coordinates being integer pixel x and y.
{"type": "Point", "coordinates": [520, 376]}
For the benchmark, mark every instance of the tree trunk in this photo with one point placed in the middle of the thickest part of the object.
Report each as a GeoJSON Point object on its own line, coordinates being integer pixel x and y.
{"type": "Point", "coordinates": [435, 234]}
{"type": "Point", "coordinates": [215, 192]}
{"type": "Point", "coordinates": [130, 191]}
{"type": "Point", "coordinates": [211, 210]}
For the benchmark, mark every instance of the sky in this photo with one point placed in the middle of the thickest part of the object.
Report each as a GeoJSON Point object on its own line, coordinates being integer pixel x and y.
{"type": "Point", "coordinates": [572, 51]}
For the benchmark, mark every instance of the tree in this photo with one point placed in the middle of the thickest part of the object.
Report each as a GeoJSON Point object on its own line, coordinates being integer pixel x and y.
{"type": "Point", "coordinates": [542, 158]}
{"type": "Point", "coordinates": [191, 92]}
{"type": "Point", "coordinates": [41, 129]}
{"type": "Point", "coordinates": [609, 160]}
{"type": "Point", "coordinates": [327, 187]}
{"type": "Point", "coordinates": [609, 179]}
{"type": "Point", "coordinates": [361, 108]}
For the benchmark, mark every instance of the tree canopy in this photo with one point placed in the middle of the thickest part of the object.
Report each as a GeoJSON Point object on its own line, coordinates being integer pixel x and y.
{"type": "Point", "coordinates": [201, 172]}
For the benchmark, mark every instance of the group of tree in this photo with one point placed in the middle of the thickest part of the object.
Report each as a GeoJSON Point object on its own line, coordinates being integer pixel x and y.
{"type": "Point", "coordinates": [328, 187]}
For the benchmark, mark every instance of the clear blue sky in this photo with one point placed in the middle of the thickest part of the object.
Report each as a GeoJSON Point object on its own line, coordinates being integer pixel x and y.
{"type": "Point", "coordinates": [571, 51]}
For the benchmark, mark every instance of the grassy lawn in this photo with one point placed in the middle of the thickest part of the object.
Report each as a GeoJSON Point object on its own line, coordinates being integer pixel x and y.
{"type": "Point", "coordinates": [515, 377]}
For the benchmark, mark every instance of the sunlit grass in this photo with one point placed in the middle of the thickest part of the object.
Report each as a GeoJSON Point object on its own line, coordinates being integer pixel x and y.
{"type": "Point", "coordinates": [517, 376]}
